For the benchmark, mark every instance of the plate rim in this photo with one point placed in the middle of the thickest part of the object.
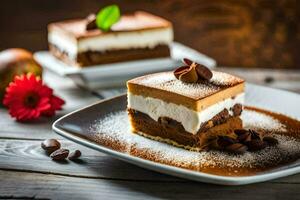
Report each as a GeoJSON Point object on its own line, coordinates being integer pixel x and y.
{"type": "Point", "coordinates": [172, 170]}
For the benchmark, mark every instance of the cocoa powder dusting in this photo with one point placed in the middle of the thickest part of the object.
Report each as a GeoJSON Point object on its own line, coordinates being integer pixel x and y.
{"type": "Point", "coordinates": [114, 132]}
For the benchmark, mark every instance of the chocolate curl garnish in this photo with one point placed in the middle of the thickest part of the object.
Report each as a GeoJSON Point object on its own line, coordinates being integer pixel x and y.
{"type": "Point", "coordinates": [192, 72]}
{"type": "Point", "coordinates": [186, 74]}
{"type": "Point", "coordinates": [91, 22]}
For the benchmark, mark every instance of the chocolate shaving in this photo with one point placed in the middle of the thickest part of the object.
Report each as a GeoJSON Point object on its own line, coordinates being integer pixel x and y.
{"type": "Point", "coordinates": [192, 72]}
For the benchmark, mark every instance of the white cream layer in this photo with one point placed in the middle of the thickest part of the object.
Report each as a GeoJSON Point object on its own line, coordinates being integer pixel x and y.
{"type": "Point", "coordinates": [118, 40]}
{"type": "Point", "coordinates": [190, 119]}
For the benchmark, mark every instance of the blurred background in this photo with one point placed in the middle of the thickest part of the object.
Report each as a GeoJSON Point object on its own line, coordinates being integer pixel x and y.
{"type": "Point", "coordinates": [256, 33]}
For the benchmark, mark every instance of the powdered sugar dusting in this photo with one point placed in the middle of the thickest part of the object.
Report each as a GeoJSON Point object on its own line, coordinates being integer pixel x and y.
{"type": "Point", "coordinates": [115, 127]}
{"type": "Point", "coordinates": [167, 81]}
{"type": "Point", "coordinates": [224, 79]}
{"type": "Point", "coordinates": [252, 119]}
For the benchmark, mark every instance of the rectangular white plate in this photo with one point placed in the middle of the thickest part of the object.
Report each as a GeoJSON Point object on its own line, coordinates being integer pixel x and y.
{"type": "Point", "coordinates": [116, 74]}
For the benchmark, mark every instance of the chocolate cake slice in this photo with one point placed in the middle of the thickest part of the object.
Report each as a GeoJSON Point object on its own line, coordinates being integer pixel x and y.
{"type": "Point", "coordinates": [186, 114]}
{"type": "Point", "coordinates": [135, 36]}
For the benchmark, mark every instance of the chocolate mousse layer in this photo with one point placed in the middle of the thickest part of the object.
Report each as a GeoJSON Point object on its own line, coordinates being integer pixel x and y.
{"type": "Point", "coordinates": [89, 58]}
{"type": "Point", "coordinates": [171, 131]}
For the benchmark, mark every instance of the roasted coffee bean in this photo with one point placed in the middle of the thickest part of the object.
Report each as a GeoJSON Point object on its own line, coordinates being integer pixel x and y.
{"type": "Point", "coordinates": [236, 148]}
{"type": "Point", "coordinates": [224, 141]}
{"type": "Point", "coordinates": [245, 137]}
{"type": "Point", "coordinates": [240, 131]}
{"type": "Point", "coordinates": [270, 141]}
{"type": "Point", "coordinates": [187, 61]}
{"type": "Point", "coordinates": [60, 154]}
{"type": "Point", "coordinates": [50, 145]}
{"type": "Point", "coordinates": [192, 72]}
{"type": "Point", "coordinates": [255, 135]}
{"type": "Point", "coordinates": [255, 145]}
{"type": "Point", "coordinates": [74, 155]}
{"type": "Point", "coordinates": [204, 72]}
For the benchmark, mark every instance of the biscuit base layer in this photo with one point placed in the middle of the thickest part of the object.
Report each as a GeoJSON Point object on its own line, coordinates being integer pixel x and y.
{"type": "Point", "coordinates": [143, 125]}
{"type": "Point", "coordinates": [96, 57]}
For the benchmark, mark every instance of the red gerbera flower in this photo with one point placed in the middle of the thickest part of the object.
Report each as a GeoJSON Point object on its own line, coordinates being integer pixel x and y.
{"type": "Point", "coordinates": [27, 98]}
{"type": "Point", "coordinates": [56, 104]}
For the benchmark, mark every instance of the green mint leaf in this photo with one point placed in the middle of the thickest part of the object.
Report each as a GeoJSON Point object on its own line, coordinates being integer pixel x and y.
{"type": "Point", "coordinates": [107, 17]}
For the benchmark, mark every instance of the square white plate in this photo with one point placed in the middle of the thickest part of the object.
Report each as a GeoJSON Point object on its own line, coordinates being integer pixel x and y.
{"type": "Point", "coordinates": [76, 127]}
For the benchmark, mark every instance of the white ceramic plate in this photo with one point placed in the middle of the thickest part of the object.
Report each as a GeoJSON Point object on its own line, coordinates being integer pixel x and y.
{"type": "Point", "coordinates": [76, 125]}
{"type": "Point", "coordinates": [111, 75]}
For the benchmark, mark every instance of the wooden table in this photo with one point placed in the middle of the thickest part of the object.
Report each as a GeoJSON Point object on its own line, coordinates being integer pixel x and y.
{"type": "Point", "coordinates": [27, 173]}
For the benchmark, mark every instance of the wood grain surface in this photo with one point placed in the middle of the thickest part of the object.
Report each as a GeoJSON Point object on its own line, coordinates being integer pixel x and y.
{"type": "Point", "coordinates": [21, 185]}
{"type": "Point", "coordinates": [26, 172]}
{"type": "Point", "coordinates": [256, 33]}
{"type": "Point", "coordinates": [92, 164]}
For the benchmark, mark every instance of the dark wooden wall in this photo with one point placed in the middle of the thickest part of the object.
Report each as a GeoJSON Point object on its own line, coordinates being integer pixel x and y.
{"type": "Point", "coordinates": [249, 33]}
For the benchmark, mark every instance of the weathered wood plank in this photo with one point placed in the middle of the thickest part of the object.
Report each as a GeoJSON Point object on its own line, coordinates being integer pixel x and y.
{"type": "Point", "coordinates": [32, 185]}
{"type": "Point", "coordinates": [25, 155]}
{"type": "Point", "coordinates": [20, 155]}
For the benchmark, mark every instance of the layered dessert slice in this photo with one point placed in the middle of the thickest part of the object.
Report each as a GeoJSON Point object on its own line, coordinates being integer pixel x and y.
{"type": "Point", "coordinates": [186, 108]}
{"type": "Point", "coordinates": [136, 36]}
